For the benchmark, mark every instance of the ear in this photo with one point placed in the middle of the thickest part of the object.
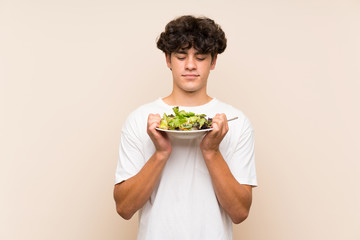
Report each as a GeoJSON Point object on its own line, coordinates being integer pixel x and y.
{"type": "Point", "coordinates": [168, 59]}
{"type": "Point", "coordinates": [213, 62]}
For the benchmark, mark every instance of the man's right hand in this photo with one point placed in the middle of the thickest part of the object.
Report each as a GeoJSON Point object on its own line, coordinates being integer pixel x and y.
{"type": "Point", "coordinates": [160, 139]}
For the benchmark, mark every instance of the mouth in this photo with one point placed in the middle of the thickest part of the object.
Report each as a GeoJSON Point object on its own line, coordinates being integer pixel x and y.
{"type": "Point", "coordinates": [190, 76]}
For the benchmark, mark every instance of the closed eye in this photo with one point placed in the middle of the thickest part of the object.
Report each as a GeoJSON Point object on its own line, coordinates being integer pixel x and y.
{"type": "Point", "coordinates": [201, 57]}
{"type": "Point", "coordinates": [180, 56]}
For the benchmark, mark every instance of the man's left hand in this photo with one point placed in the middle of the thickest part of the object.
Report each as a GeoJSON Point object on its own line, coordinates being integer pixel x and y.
{"type": "Point", "coordinates": [212, 140]}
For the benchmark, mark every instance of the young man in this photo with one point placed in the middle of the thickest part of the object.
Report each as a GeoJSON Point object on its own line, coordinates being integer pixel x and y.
{"type": "Point", "coordinates": [194, 188]}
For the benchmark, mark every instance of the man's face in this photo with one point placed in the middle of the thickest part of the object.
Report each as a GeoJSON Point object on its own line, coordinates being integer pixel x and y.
{"type": "Point", "coordinates": [190, 69]}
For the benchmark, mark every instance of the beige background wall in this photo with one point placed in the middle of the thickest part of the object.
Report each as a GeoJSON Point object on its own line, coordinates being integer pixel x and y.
{"type": "Point", "coordinates": [71, 71]}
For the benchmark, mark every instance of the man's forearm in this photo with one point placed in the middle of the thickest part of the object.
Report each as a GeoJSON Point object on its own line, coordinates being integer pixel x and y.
{"type": "Point", "coordinates": [234, 197]}
{"type": "Point", "coordinates": [133, 193]}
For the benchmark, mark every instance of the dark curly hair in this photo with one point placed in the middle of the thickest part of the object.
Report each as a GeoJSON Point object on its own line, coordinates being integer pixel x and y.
{"type": "Point", "coordinates": [188, 31]}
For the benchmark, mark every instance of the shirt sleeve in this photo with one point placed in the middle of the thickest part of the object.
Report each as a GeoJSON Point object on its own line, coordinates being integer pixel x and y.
{"type": "Point", "coordinates": [131, 156]}
{"type": "Point", "coordinates": [242, 162]}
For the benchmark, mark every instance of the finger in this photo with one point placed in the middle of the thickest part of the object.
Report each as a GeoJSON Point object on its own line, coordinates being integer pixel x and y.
{"type": "Point", "coordinates": [220, 124]}
{"type": "Point", "coordinates": [217, 122]}
{"type": "Point", "coordinates": [215, 126]}
{"type": "Point", "coordinates": [152, 123]}
{"type": "Point", "coordinates": [217, 116]}
{"type": "Point", "coordinates": [154, 118]}
{"type": "Point", "coordinates": [150, 118]}
{"type": "Point", "coordinates": [153, 126]}
{"type": "Point", "coordinates": [221, 119]}
{"type": "Point", "coordinates": [225, 123]}
{"type": "Point", "coordinates": [153, 133]}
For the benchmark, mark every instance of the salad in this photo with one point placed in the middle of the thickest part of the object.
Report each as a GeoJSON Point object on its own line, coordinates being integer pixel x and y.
{"type": "Point", "coordinates": [184, 121]}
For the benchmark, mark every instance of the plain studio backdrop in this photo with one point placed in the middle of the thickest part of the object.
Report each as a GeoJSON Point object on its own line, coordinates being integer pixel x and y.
{"type": "Point", "coordinates": [71, 71]}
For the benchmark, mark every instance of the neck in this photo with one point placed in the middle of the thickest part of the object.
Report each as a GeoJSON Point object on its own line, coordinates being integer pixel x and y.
{"type": "Point", "coordinates": [187, 99]}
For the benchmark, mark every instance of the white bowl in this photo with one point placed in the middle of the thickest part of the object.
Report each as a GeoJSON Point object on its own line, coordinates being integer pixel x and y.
{"type": "Point", "coordinates": [185, 134]}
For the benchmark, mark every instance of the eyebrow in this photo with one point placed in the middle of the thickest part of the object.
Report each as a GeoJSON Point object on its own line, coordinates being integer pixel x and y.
{"type": "Point", "coordinates": [181, 52]}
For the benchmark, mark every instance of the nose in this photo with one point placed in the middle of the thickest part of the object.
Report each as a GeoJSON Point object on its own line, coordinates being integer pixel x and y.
{"type": "Point", "coordinates": [190, 64]}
